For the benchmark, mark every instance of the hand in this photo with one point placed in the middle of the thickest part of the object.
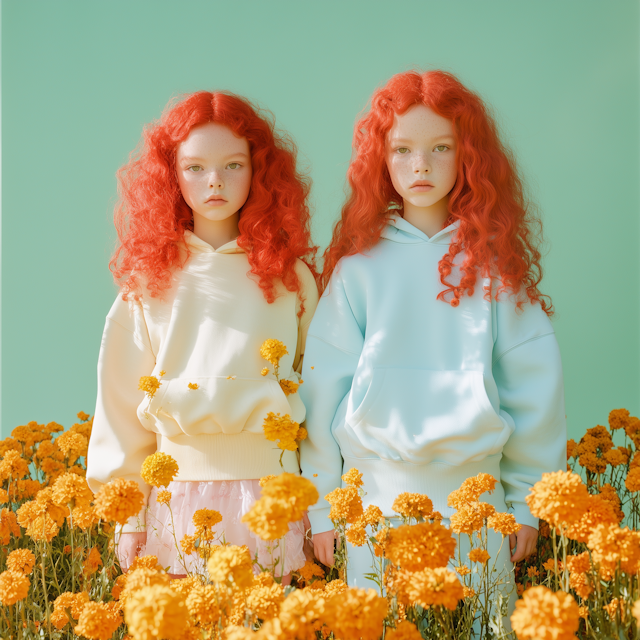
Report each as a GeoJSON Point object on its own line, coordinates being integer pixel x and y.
{"type": "Point", "coordinates": [129, 546]}
{"type": "Point", "coordinates": [524, 541]}
{"type": "Point", "coordinates": [323, 547]}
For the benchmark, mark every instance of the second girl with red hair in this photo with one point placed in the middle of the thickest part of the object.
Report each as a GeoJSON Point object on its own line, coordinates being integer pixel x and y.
{"type": "Point", "coordinates": [431, 357]}
{"type": "Point", "coordinates": [215, 257]}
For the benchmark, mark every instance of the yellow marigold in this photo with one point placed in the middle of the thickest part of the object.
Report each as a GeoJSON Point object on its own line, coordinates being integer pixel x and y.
{"type": "Point", "coordinates": [346, 504]}
{"type": "Point", "coordinates": [265, 601]}
{"type": "Point", "coordinates": [205, 519]}
{"type": "Point", "coordinates": [302, 434]}
{"type": "Point", "coordinates": [119, 500]}
{"type": "Point", "coordinates": [163, 497]}
{"type": "Point", "coordinates": [159, 469]}
{"type": "Point", "coordinates": [263, 481]}
{"type": "Point", "coordinates": [299, 492]}
{"type": "Point", "coordinates": [609, 544]}
{"type": "Point", "coordinates": [471, 489]}
{"type": "Point", "coordinates": [532, 572]}
{"type": "Point", "coordinates": [82, 416]}
{"type": "Point", "coordinates": [435, 587]}
{"type": "Point", "coordinates": [39, 519]}
{"type": "Point", "coordinates": [542, 614]}
{"type": "Point", "coordinates": [73, 445]}
{"type": "Point", "coordinates": [156, 612]}
{"type": "Point", "coordinates": [335, 587]}
{"type": "Point", "coordinates": [356, 613]}
{"type": "Point", "coordinates": [353, 478]}
{"type": "Point", "coordinates": [193, 386]}
{"type": "Point", "coordinates": [632, 427]}
{"type": "Point", "coordinates": [98, 621]}
{"type": "Point", "coordinates": [404, 630]}
{"type": "Point", "coordinates": [356, 535]}
{"type": "Point", "coordinates": [616, 457]}
{"type": "Point", "coordinates": [632, 481]}
{"type": "Point", "coordinates": [21, 561]}
{"type": "Point", "coordinates": [608, 493]}
{"type": "Point", "coordinates": [309, 571]}
{"type": "Point", "coordinates": [372, 516]}
{"type": "Point", "coordinates": [599, 511]}
{"type": "Point", "coordinates": [549, 565]}
{"type": "Point", "coordinates": [231, 565]}
{"type": "Point", "coordinates": [579, 563]}
{"type": "Point", "coordinates": [560, 498]}
{"type": "Point", "coordinates": [13, 466]}
{"type": "Point", "coordinates": [14, 586]}
{"type": "Point", "coordinates": [301, 612]}
{"type": "Point", "coordinates": [52, 468]}
{"type": "Point", "coordinates": [54, 427]}
{"type": "Point", "coordinates": [265, 371]}
{"type": "Point", "coordinates": [382, 538]}
{"type": "Point", "coordinates": [580, 584]}
{"type": "Point", "coordinates": [572, 449]}
{"type": "Point", "coordinates": [479, 555]}
{"type": "Point", "coordinates": [202, 603]}
{"type": "Point", "coordinates": [618, 419]}
{"type": "Point", "coordinates": [92, 563]}
{"type": "Point", "coordinates": [268, 518]}
{"type": "Point", "coordinates": [412, 505]}
{"type": "Point", "coordinates": [149, 384]}
{"type": "Point", "coordinates": [75, 602]}
{"type": "Point", "coordinates": [288, 387]}
{"type": "Point", "coordinates": [463, 570]}
{"type": "Point", "coordinates": [469, 592]}
{"type": "Point", "coordinates": [272, 351]}
{"type": "Point", "coordinates": [145, 562]}
{"type": "Point", "coordinates": [83, 517]}
{"type": "Point", "coordinates": [503, 523]}
{"type": "Point", "coordinates": [282, 429]}
{"type": "Point", "coordinates": [420, 546]}
{"type": "Point", "coordinates": [70, 490]}
{"type": "Point", "coordinates": [4, 497]}
{"type": "Point", "coordinates": [469, 517]}
{"type": "Point", "coordinates": [188, 544]}
{"type": "Point", "coordinates": [615, 608]}
{"type": "Point", "coordinates": [118, 586]}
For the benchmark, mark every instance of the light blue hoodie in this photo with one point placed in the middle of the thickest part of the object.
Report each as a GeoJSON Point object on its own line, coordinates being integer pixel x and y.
{"type": "Point", "coordinates": [419, 395]}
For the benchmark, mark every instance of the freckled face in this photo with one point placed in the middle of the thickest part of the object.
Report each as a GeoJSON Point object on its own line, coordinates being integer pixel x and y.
{"type": "Point", "coordinates": [421, 156]}
{"type": "Point", "coordinates": [214, 171]}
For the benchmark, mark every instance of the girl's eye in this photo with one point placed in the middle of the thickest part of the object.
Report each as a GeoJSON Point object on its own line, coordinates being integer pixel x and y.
{"type": "Point", "coordinates": [194, 168]}
{"type": "Point", "coordinates": [402, 150]}
{"type": "Point", "coordinates": [234, 165]}
{"type": "Point", "coordinates": [441, 147]}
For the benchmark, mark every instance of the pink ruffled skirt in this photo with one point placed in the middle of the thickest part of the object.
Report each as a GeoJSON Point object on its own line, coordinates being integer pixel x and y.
{"type": "Point", "coordinates": [232, 499]}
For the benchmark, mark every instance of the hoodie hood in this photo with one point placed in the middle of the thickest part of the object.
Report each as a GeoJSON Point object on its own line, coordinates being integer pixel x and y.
{"type": "Point", "coordinates": [399, 230]}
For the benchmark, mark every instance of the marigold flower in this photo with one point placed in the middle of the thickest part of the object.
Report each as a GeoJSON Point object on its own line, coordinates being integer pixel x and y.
{"type": "Point", "coordinates": [231, 565]}
{"type": "Point", "coordinates": [75, 602]}
{"type": "Point", "coordinates": [70, 490]}
{"type": "Point", "coordinates": [52, 468]}
{"type": "Point", "coordinates": [435, 587]}
{"type": "Point", "coordinates": [560, 498]}
{"type": "Point", "coordinates": [580, 584]}
{"type": "Point", "coordinates": [469, 592]}
{"type": "Point", "coordinates": [188, 544]}
{"type": "Point", "coordinates": [616, 457]}
{"type": "Point", "coordinates": [264, 371]}
{"type": "Point", "coordinates": [503, 523]}
{"type": "Point", "coordinates": [610, 545]}
{"type": "Point", "coordinates": [119, 500]}
{"type": "Point", "coordinates": [532, 572]}
{"type": "Point", "coordinates": [156, 612]}
{"type": "Point", "coordinates": [13, 466]}
{"type": "Point", "coordinates": [550, 565]}
{"type": "Point", "coordinates": [599, 511]}
{"type": "Point", "coordinates": [193, 386]}
{"type": "Point", "coordinates": [163, 497]}
{"type": "Point", "coordinates": [542, 614]}
{"type": "Point", "coordinates": [159, 469]}
{"type": "Point", "coordinates": [404, 630]}
{"type": "Point", "coordinates": [83, 517]}
{"type": "Point", "coordinates": [632, 481]}
{"type": "Point", "coordinates": [98, 621]}
{"type": "Point", "coordinates": [8, 526]}
{"type": "Point", "coordinates": [463, 570]}
{"type": "Point", "coordinates": [21, 561]}
{"type": "Point", "coordinates": [424, 545]}
{"type": "Point", "coordinates": [272, 351]}
{"type": "Point", "coordinates": [346, 504]}
{"type": "Point", "coordinates": [265, 601]}
{"type": "Point", "coordinates": [572, 449]}
{"type": "Point", "coordinates": [335, 587]}
{"type": "Point", "coordinates": [205, 519]}
{"type": "Point", "coordinates": [299, 492]}
{"type": "Point", "coordinates": [479, 555]}
{"type": "Point", "coordinates": [14, 586]}
{"type": "Point", "coordinates": [372, 516]}
{"type": "Point", "coordinates": [73, 445]}
{"type": "Point", "coordinates": [356, 535]}
{"type": "Point", "coordinates": [301, 612]}
{"type": "Point", "coordinates": [268, 518]}
{"type": "Point", "coordinates": [618, 419]}
{"type": "Point", "coordinates": [412, 505]}
{"type": "Point", "coordinates": [202, 603]}
{"type": "Point", "coordinates": [288, 387]}
{"type": "Point", "coordinates": [92, 563]}
{"type": "Point", "coordinates": [149, 384]}
{"type": "Point", "coordinates": [302, 434]}
{"type": "Point", "coordinates": [309, 571]}
{"type": "Point", "coordinates": [471, 489]}
{"type": "Point", "coordinates": [263, 481]}
{"type": "Point", "coordinates": [608, 493]}
{"type": "Point", "coordinates": [357, 613]}
{"type": "Point", "coordinates": [282, 429]}
{"type": "Point", "coordinates": [382, 538]}
{"type": "Point", "coordinates": [470, 517]}
{"type": "Point", "coordinates": [353, 478]}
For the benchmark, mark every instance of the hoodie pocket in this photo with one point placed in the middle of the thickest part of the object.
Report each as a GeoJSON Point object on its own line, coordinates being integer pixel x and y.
{"type": "Point", "coordinates": [217, 404]}
{"type": "Point", "coordinates": [421, 416]}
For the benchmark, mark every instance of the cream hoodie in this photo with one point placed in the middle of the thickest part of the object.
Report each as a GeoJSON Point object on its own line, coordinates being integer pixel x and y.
{"type": "Point", "coordinates": [207, 331]}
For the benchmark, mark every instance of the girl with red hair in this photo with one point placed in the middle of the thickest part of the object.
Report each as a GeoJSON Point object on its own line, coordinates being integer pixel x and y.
{"type": "Point", "coordinates": [214, 258]}
{"type": "Point", "coordinates": [431, 357]}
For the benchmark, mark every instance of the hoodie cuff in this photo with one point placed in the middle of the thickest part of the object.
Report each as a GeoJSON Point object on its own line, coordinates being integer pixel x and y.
{"type": "Point", "coordinates": [523, 515]}
{"type": "Point", "coordinates": [319, 520]}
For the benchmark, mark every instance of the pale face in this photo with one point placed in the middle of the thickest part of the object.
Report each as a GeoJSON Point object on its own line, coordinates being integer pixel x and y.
{"type": "Point", "coordinates": [421, 158]}
{"type": "Point", "coordinates": [214, 171]}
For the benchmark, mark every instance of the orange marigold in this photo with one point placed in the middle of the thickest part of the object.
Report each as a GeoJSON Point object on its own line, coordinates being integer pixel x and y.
{"type": "Point", "coordinates": [579, 563]}
{"type": "Point", "coordinates": [413, 505]}
{"type": "Point", "coordinates": [356, 535]}
{"type": "Point", "coordinates": [372, 516]}
{"type": "Point", "coordinates": [159, 469]}
{"type": "Point", "coordinates": [610, 545]}
{"type": "Point", "coordinates": [75, 602]}
{"type": "Point", "coordinates": [599, 511]}
{"type": "Point", "coordinates": [479, 555]}
{"type": "Point", "coordinates": [416, 547]}
{"type": "Point", "coordinates": [404, 630]}
{"type": "Point", "coordinates": [632, 481]}
{"type": "Point", "coordinates": [300, 493]}
{"type": "Point", "coordinates": [346, 504]}
{"type": "Point", "coordinates": [119, 500]}
{"type": "Point", "coordinates": [356, 613]}
{"type": "Point", "coordinates": [92, 563]}
{"type": "Point", "coordinates": [608, 493]}
{"type": "Point", "coordinates": [268, 518]}
{"type": "Point", "coordinates": [309, 571]}
{"type": "Point", "coordinates": [21, 561]}
{"type": "Point", "coordinates": [471, 489]}
{"type": "Point", "coordinates": [14, 586]}
{"type": "Point", "coordinates": [503, 523]}
{"type": "Point", "coordinates": [353, 478]}
{"type": "Point", "coordinates": [8, 526]}
{"type": "Point", "coordinates": [618, 419]}
{"type": "Point", "coordinates": [615, 608]}
{"type": "Point", "coordinates": [98, 621]}
{"type": "Point", "coordinates": [435, 587]}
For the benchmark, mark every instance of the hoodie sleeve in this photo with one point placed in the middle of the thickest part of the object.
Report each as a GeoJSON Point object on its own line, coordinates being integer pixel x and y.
{"type": "Point", "coordinates": [333, 349]}
{"type": "Point", "coordinates": [528, 373]}
{"type": "Point", "coordinates": [119, 443]}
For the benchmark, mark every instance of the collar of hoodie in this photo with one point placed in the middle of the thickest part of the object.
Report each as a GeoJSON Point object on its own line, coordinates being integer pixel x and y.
{"type": "Point", "coordinates": [199, 245]}
{"type": "Point", "coordinates": [399, 230]}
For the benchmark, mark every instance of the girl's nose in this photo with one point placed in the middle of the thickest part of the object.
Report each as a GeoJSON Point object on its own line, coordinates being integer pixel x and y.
{"type": "Point", "coordinates": [421, 164]}
{"type": "Point", "coordinates": [215, 180]}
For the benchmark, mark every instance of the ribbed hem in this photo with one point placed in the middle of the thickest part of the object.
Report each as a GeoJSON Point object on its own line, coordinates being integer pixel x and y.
{"type": "Point", "coordinates": [384, 480]}
{"type": "Point", "coordinates": [222, 456]}
{"type": "Point", "coordinates": [319, 520]}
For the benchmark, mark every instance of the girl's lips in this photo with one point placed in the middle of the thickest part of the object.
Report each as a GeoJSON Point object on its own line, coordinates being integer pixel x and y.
{"type": "Point", "coordinates": [214, 202]}
{"type": "Point", "coordinates": [421, 187]}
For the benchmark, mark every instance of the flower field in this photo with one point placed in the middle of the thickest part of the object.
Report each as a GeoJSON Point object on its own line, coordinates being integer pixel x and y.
{"type": "Point", "coordinates": [60, 578]}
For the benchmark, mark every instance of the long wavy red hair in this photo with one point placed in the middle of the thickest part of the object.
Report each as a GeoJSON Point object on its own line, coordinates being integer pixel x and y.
{"type": "Point", "coordinates": [498, 232]}
{"type": "Point", "coordinates": [151, 215]}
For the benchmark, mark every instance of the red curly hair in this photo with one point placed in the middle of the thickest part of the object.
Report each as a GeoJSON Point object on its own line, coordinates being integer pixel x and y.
{"type": "Point", "coordinates": [498, 232]}
{"type": "Point", "coordinates": [152, 216]}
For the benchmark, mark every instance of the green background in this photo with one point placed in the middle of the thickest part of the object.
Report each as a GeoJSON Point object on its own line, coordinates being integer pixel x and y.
{"type": "Point", "coordinates": [80, 79]}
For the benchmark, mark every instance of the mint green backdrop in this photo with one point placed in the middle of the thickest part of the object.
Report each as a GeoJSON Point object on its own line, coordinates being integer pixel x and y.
{"type": "Point", "coordinates": [79, 80]}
